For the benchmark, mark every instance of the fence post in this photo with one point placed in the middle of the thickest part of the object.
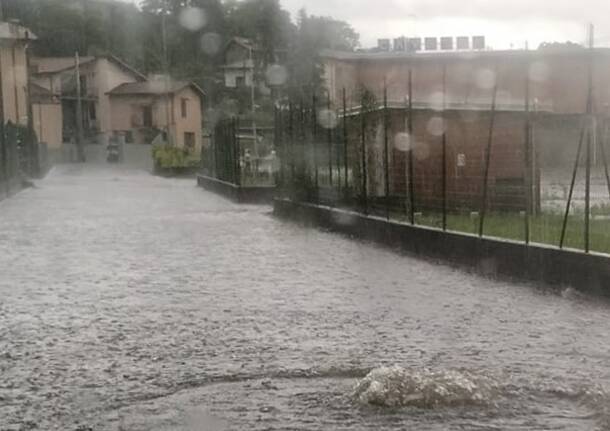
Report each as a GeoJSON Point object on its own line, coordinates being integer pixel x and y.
{"type": "Point", "coordinates": [386, 151]}
{"type": "Point", "coordinates": [329, 140]}
{"type": "Point", "coordinates": [527, 184]}
{"type": "Point", "coordinates": [488, 154]}
{"type": "Point", "coordinates": [444, 150]}
{"type": "Point", "coordinates": [345, 163]}
{"type": "Point", "coordinates": [314, 138]}
{"type": "Point", "coordinates": [602, 146]}
{"type": "Point", "coordinates": [237, 151]}
{"type": "Point", "coordinates": [410, 149]}
{"type": "Point", "coordinates": [363, 149]}
{"type": "Point", "coordinates": [590, 120]}
{"type": "Point", "coordinates": [573, 183]}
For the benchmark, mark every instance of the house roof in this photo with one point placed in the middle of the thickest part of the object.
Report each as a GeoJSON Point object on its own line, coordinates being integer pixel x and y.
{"type": "Point", "coordinates": [15, 31]}
{"type": "Point", "coordinates": [243, 42]}
{"type": "Point", "coordinates": [154, 87]}
{"type": "Point", "coordinates": [53, 65]}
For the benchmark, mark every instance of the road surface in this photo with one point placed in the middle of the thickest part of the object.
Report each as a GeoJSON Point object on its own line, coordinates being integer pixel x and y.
{"type": "Point", "coordinates": [139, 303]}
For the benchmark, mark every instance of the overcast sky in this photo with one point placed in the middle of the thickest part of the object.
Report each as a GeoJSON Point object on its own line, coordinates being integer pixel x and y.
{"type": "Point", "coordinates": [505, 23]}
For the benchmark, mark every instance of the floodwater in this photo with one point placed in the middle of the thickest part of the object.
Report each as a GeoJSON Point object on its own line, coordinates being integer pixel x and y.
{"type": "Point", "coordinates": [139, 303]}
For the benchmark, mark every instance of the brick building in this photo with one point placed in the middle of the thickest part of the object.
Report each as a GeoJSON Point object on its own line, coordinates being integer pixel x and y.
{"type": "Point", "coordinates": [558, 87]}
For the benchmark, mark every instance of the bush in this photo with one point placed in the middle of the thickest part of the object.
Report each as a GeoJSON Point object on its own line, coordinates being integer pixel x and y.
{"type": "Point", "coordinates": [170, 157]}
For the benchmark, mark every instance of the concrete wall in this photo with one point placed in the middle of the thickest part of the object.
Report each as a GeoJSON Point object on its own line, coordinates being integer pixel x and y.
{"type": "Point", "coordinates": [107, 77]}
{"type": "Point", "coordinates": [48, 124]}
{"type": "Point", "coordinates": [14, 82]}
{"type": "Point", "coordinates": [487, 256]}
{"type": "Point", "coordinates": [192, 123]}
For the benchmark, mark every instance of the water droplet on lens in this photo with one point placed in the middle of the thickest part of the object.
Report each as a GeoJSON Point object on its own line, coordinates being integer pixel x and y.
{"type": "Point", "coordinates": [276, 75]}
{"type": "Point", "coordinates": [193, 18]}
{"type": "Point", "coordinates": [402, 141]}
{"type": "Point", "coordinates": [327, 118]}
{"type": "Point", "coordinates": [436, 126]}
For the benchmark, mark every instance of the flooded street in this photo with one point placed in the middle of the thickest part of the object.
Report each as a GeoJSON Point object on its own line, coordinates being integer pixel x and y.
{"type": "Point", "coordinates": [139, 303]}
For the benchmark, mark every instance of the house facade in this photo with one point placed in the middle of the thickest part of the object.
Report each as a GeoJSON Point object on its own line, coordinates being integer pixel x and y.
{"type": "Point", "coordinates": [98, 75]}
{"type": "Point", "coordinates": [144, 110]}
{"type": "Point", "coordinates": [13, 72]}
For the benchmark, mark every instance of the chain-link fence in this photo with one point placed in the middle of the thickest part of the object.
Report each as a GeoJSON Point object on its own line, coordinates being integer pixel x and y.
{"type": "Point", "coordinates": [510, 171]}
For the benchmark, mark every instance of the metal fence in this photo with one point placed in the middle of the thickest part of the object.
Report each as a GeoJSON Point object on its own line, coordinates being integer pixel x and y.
{"type": "Point", "coordinates": [478, 170]}
{"type": "Point", "coordinates": [234, 158]}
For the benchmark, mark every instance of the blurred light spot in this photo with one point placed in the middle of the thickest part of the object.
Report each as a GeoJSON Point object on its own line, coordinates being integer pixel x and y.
{"type": "Point", "coordinates": [539, 71]}
{"type": "Point", "coordinates": [436, 126]}
{"type": "Point", "coordinates": [193, 18]}
{"type": "Point", "coordinates": [276, 75]}
{"type": "Point", "coordinates": [402, 141]}
{"type": "Point", "coordinates": [327, 118]}
{"type": "Point", "coordinates": [210, 43]}
{"type": "Point", "coordinates": [436, 101]}
{"type": "Point", "coordinates": [485, 79]}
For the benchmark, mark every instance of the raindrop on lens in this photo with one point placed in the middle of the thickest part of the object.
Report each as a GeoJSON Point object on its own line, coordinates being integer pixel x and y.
{"type": "Point", "coordinates": [210, 43]}
{"type": "Point", "coordinates": [402, 142]}
{"type": "Point", "coordinates": [193, 18]}
{"type": "Point", "coordinates": [436, 101]}
{"type": "Point", "coordinates": [276, 75]}
{"type": "Point", "coordinates": [436, 126]}
{"type": "Point", "coordinates": [327, 118]}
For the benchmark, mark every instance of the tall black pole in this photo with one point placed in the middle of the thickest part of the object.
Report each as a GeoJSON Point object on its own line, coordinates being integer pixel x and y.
{"type": "Point", "coordinates": [345, 163]}
{"type": "Point", "coordinates": [603, 154]}
{"type": "Point", "coordinates": [588, 152]}
{"type": "Point", "coordinates": [488, 155]}
{"type": "Point", "coordinates": [411, 143]}
{"type": "Point", "coordinates": [329, 141]}
{"type": "Point", "coordinates": [527, 184]}
{"type": "Point", "coordinates": [583, 130]}
{"type": "Point", "coordinates": [444, 149]}
{"type": "Point", "coordinates": [386, 150]}
{"type": "Point", "coordinates": [314, 142]}
{"type": "Point", "coordinates": [363, 150]}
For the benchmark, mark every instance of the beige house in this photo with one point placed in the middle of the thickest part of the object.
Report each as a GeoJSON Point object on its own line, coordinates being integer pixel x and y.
{"type": "Point", "coordinates": [98, 75]}
{"type": "Point", "coordinates": [144, 110]}
{"type": "Point", "coordinates": [46, 116]}
{"type": "Point", "coordinates": [13, 72]}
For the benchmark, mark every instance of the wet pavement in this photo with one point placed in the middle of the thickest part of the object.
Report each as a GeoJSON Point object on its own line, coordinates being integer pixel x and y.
{"type": "Point", "coordinates": [139, 303]}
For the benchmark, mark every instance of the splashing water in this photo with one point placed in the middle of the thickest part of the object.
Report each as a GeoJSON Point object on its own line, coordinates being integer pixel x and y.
{"type": "Point", "coordinates": [400, 387]}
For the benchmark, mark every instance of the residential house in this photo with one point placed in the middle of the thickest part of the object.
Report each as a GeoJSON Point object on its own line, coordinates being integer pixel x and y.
{"type": "Point", "coordinates": [47, 116]}
{"type": "Point", "coordinates": [13, 72]}
{"type": "Point", "coordinates": [143, 110]}
{"type": "Point", "coordinates": [98, 76]}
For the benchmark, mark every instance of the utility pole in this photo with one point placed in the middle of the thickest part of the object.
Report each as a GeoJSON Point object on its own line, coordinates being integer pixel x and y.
{"type": "Point", "coordinates": [254, 132]}
{"type": "Point", "coordinates": [80, 151]}
{"type": "Point", "coordinates": [166, 69]}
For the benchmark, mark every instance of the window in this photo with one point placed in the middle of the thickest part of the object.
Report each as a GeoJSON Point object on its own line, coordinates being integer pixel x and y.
{"type": "Point", "coordinates": [189, 140]}
{"type": "Point", "coordinates": [147, 116]}
{"type": "Point", "coordinates": [240, 81]}
{"type": "Point", "coordinates": [183, 106]}
{"type": "Point", "coordinates": [92, 112]}
{"type": "Point", "coordinates": [129, 137]}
